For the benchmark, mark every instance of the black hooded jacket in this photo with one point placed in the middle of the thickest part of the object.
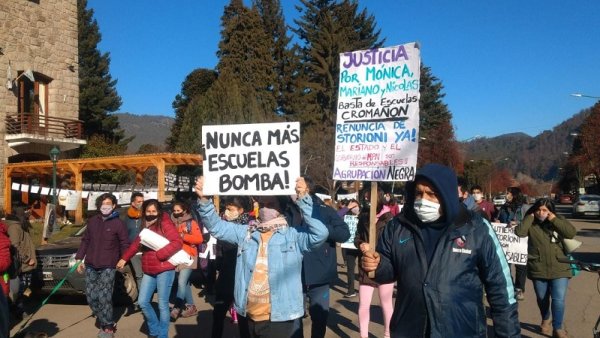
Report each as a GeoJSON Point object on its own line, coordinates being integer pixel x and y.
{"type": "Point", "coordinates": [319, 266]}
{"type": "Point", "coordinates": [444, 298]}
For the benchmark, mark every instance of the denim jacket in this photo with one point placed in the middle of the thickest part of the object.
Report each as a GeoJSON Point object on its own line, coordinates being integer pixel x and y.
{"type": "Point", "coordinates": [285, 251]}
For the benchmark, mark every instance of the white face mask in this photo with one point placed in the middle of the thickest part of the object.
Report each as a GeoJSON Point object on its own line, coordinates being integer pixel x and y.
{"type": "Point", "coordinates": [478, 197]}
{"type": "Point", "coordinates": [231, 215]}
{"type": "Point", "coordinates": [106, 210]}
{"type": "Point", "coordinates": [427, 211]}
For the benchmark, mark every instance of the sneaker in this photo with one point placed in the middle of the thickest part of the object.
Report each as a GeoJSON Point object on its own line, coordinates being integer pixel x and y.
{"type": "Point", "coordinates": [520, 295]}
{"type": "Point", "coordinates": [560, 333]}
{"type": "Point", "coordinates": [107, 332]}
{"type": "Point", "coordinates": [190, 310]}
{"type": "Point", "coordinates": [175, 312]}
{"type": "Point", "coordinates": [350, 295]}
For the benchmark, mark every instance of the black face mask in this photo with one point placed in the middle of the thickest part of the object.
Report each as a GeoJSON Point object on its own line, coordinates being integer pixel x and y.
{"type": "Point", "coordinates": [150, 218]}
{"type": "Point", "coordinates": [177, 214]}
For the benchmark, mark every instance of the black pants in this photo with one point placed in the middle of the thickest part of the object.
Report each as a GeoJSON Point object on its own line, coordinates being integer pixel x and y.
{"type": "Point", "coordinates": [520, 276]}
{"type": "Point", "coordinates": [350, 256]}
{"type": "Point", "coordinates": [318, 308]}
{"type": "Point", "coordinates": [267, 329]}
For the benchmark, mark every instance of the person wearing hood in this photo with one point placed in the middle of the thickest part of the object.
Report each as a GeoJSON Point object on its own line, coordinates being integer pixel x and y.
{"type": "Point", "coordinates": [103, 242]}
{"type": "Point", "coordinates": [442, 256]}
{"type": "Point", "coordinates": [190, 234]}
{"type": "Point", "coordinates": [268, 283]}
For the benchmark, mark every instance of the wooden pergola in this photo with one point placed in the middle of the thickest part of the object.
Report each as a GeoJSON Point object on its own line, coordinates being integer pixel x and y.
{"type": "Point", "coordinates": [137, 163]}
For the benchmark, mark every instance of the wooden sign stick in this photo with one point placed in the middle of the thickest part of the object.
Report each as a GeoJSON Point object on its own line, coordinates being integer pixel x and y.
{"type": "Point", "coordinates": [373, 222]}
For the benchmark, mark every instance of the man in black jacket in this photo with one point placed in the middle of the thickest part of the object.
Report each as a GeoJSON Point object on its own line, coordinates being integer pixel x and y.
{"type": "Point", "coordinates": [443, 256]}
{"type": "Point", "coordinates": [319, 267]}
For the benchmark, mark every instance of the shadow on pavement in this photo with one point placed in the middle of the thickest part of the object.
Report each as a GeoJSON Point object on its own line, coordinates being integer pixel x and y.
{"type": "Point", "coordinates": [37, 327]}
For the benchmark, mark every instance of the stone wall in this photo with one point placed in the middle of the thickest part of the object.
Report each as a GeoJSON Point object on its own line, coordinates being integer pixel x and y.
{"type": "Point", "coordinates": [39, 35]}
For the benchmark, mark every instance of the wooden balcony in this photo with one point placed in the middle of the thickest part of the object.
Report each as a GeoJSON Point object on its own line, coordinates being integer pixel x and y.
{"type": "Point", "coordinates": [44, 126]}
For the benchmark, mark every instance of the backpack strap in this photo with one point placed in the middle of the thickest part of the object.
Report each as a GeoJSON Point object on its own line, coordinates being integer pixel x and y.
{"type": "Point", "coordinates": [188, 224]}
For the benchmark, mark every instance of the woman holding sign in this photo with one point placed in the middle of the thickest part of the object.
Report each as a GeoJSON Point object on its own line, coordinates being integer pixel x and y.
{"type": "Point", "coordinates": [268, 286]}
{"type": "Point", "coordinates": [550, 277]}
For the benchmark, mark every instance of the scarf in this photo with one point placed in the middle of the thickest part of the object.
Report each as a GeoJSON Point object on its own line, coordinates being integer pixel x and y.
{"type": "Point", "coordinates": [272, 225]}
{"type": "Point", "coordinates": [134, 213]}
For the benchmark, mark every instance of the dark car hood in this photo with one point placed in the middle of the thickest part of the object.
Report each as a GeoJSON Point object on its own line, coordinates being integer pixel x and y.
{"type": "Point", "coordinates": [64, 246]}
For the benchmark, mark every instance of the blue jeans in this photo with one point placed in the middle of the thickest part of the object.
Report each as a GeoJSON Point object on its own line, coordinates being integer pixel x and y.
{"type": "Point", "coordinates": [184, 290]}
{"type": "Point", "coordinates": [557, 289]}
{"type": "Point", "coordinates": [162, 283]}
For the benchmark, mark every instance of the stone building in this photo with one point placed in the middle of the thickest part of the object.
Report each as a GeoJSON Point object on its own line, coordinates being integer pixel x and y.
{"type": "Point", "coordinates": [39, 95]}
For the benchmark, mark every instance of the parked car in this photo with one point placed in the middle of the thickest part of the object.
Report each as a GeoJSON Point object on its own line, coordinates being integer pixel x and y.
{"type": "Point", "coordinates": [565, 199]}
{"type": "Point", "coordinates": [586, 205]}
{"type": "Point", "coordinates": [56, 259]}
{"type": "Point", "coordinates": [499, 200]}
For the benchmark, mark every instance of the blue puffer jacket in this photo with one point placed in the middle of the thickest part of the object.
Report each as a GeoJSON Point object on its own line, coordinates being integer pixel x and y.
{"type": "Point", "coordinates": [444, 298]}
{"type": "Point", "coordinates": [285, 250]}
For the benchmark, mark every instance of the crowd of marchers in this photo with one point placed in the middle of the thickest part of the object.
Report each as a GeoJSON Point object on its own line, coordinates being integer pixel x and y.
{"type": "Point", "coordinates": [435, 250]}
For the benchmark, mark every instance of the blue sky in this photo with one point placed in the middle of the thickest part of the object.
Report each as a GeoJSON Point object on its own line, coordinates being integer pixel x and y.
{"type": "Point", "coordinates": [506, 66]}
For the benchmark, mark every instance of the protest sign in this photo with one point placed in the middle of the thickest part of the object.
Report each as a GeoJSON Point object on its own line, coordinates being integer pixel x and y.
{"type": "Point", "coordinates": [73, 199]}
{"type": "Point", "coordinates": [251, 159]}
{"type": "Point", "coordinates": [352, 222]}
{"type": "Point", "coordinates": [515, 247]}
{"type": "Point", "coordinates": [377, 127]}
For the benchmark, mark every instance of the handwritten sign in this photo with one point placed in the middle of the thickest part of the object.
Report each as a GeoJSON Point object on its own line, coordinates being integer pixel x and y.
{"type": "Point", "coordinates": [73, 200]}
{"type": "Point", "coordinates": [251, 159]}
{"type": "Point", "coordinates": [515, 247]}
{"type": "Point", "coordinates": [377, 127]}
{"type": "Point", "coordinates": [352, 222]}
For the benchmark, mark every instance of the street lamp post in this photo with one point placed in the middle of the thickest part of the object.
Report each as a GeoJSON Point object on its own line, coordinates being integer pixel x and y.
{"type": "Point", "coordinates": [54, 153]}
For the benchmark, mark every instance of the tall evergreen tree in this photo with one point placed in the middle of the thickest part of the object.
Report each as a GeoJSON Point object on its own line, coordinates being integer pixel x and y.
{"type": "Point", "coordinates": [273, 21]}
{"type": "Point", "coordinates": [245, 57]}
{"type": "Point", "coordinates": [195, 84]}
{"type": "Point", "coordinates": [329, 28]}
{"type": "Point", "coordinates": [98, 96]}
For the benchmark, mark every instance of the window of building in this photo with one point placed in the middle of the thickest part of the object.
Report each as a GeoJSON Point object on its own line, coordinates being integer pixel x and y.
{"type": "Point", "coordinates": [33, 98]}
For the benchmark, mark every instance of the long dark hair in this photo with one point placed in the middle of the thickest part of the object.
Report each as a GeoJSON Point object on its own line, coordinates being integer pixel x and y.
{"type": "Point", "coordinates": [158, 207]}
{"type": "Point", "coordinates": [517, 198]}
{"type": "Point", "coordinates": [541, 202]}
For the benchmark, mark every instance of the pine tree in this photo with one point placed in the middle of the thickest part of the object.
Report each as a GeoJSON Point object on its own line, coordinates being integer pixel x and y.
{"type": "Point", "coordinates": [329, 28]}
{"type": "Point", "coordinates": [438, 142]}
{"type": "Point", "coordinates": [245, 57]}
{"type": "Point", "coordinates": [97, 93]}
{"type": "Point", "coordinates": [195, 84]}
{"type": "Point", "coordinates": [273, 21]}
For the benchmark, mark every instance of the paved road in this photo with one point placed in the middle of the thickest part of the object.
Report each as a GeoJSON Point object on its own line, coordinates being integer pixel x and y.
{"type": "Point", "coordinates": [71, 317]}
